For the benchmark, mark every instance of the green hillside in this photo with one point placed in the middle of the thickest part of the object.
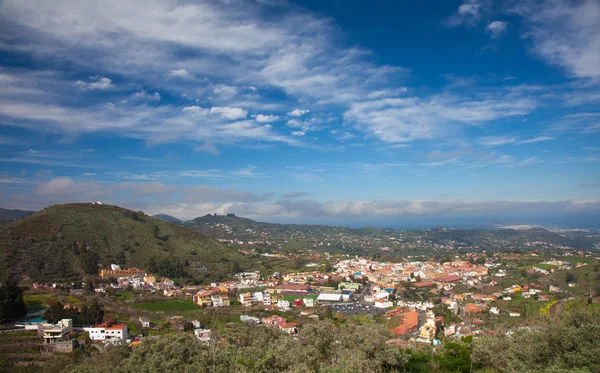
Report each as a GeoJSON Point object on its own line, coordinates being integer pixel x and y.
{"type": "Point", "coordinates": [64, 242]}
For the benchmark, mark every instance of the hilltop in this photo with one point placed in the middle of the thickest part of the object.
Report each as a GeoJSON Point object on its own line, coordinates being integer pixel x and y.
{"type": "Point", "coordinates": [7, 216]}
{"type": "Point", "coordinates": [65, 242]}
{"type": "Point", "coordinates": [168, 218]}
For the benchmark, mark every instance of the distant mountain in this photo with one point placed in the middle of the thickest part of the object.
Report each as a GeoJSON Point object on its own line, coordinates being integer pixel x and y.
{"type": "Point", "coordinates": [7, 216]}
{"type": "Point", "coordinates": [168, 218]}
{"type": "Point", "coordinates": [64, 242]}
{"type": "Point", "coordinates": [361, 240]}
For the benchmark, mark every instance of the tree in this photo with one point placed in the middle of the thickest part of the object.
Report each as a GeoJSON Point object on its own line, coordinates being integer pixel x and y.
{"type": "Point", "coordinates": [12, 306]}
{"type": "Point", "coordinates": [570, 277]}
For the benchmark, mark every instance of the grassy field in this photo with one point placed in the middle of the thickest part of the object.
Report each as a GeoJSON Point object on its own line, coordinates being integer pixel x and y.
{"type": "Point", "coordinates": [166, 306]}
{"type": "Point", "coordinates": [36, 301]}
{"type": "Point", "coordinates": [290, 297]}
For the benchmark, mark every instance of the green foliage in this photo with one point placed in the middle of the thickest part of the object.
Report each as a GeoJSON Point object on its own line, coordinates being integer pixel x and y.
{"type": "Point", "coordinates": [85, 315]}
{"type": "Point", "coordinates": [568, 343]}
{"type": "Point", "coordinates": [323, 347]}
{"type": "Point", "coordinates": [12, 306]}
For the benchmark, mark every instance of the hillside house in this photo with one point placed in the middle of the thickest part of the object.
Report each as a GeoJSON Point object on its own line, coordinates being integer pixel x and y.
{"type": "Point", "coordinates": [274, 320]}
{"type": "Point", "coordinates": [203, 298]}
{"type": "Point", "coordinates": [109, 333]}
{"type": "Point", "coordinates": [283, 305]}
{"type": "Point", "coordinates": [57, 333]}
{"type": "Point", "coordinates": [289, 328]}
{"type": "Point", "coordinates": [203, 335]}
{"type": "Point", "coordinates": [220, 300]}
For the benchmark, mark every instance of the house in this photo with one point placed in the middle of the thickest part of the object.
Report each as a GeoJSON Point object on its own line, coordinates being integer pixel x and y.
{"type": "Point", "coordinates": [347, 295]}
{"type": "Point", "coordinates": [249, 319]}
{"type": "Point", "coordinates": [203, 335]}
{"type": "Point", "coordinates": [289, 328]}
{"type": "Point", "coordinates": [382, 303]}
{"type": "Point", "coordinates": [494, 311]}
{"type": "Point", "coordinates": [427, 332]}
{"type": "Point", "coordinates": [474, 308]}
{"type": "Point", "coordinates": [352, 286]}
{"type": "Point", "coordinates": [308, 302]}
{"type": "Point", "coordinates": [274, 320]}
{"type": "Point", "coordinates": [59, 332]}
{"type": "Point", "coordinates": [109, 333]}
{"type": "Point", "coordinates": [283, 305]}
{"type": "Point", "coordinates": [220, 300]}
{"type": "Point", "coordinates": [298, 302]}
{"type": "Point", "coordinates": [246, 299]}
{"type": "Point", "coordinates": [514, 314]}
{"type": "Point", "coordinates": [267, 299]}
{"type": "Point", "coordinates": [203, 298]}
{"type": "Point", "coordinates": [144, 321]}
{"type": "Point", "coordinates": [409, 324]}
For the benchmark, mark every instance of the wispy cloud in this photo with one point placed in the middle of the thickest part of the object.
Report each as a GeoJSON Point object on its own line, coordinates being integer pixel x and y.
{"type": "Point", "coordinates": [564, 33]}
{"type": "Point", "coordinates": [496, 29]}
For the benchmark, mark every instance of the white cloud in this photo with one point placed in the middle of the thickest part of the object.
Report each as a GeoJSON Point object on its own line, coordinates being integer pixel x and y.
{"type": "Point", "coordinates": [98, 82]}
{"type": "Point", "coordinates": [225, 90]}
{"type": "Point", "coordinates": [232, 113]}
{"type": "Point", "coordinates": [180, 73]}
{"type": "Point", "coordinates": [209, 148]}
{"type": "Point", "coordinates": [497, 140]}
{"type": "Point", "coordinates": [564, 33]}
{"type": "Point", "coordinates": [496, 29]}
{"type": "Point", "coordinates": [397, 120]}
{"type": "Point", "coordinates": [468, 13]}
{"type": "Point", "coordinates": [265, 118]}
{"type": "Point", "coordinates": [143, 95]}
{"type": "Point", "coordinates": [298, 112]}
{"type": "Point", "coordinates": [536, 139]}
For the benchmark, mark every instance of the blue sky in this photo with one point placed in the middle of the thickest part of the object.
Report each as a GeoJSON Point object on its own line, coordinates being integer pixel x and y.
{"type": "Point", "coordinates": [342, 112]}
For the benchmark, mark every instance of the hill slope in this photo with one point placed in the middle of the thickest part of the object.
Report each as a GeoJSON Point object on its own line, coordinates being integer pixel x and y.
{"type": "Point", "coordinates": [64, 242]}
{"type": "Point", "coordinates": [7, 216]}
{"type": "Point", "coordinates": [168, 218]}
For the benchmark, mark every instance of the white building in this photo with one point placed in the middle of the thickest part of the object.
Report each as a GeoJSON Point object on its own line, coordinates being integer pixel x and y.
{"type": "Point", "coordinates": [283, 305]}
{"type": "Point", "coordinates": [329, 298]}
{"type": "Point", "coordinates": [382, 303]}
{"type": "Point", "coordinates": [109, 333]}
{"type": "Point", "coordinates": [203, 335]}
{"type": "Point", "coordinates": [58, 332]}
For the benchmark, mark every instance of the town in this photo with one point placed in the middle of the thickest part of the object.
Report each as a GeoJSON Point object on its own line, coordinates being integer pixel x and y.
{"type": "Point", "coordinates": [421, 302]}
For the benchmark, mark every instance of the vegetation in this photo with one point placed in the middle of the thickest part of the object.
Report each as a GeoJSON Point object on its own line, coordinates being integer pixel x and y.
{"type": "Point", "coordinates": [567, 343]}
{"type": "Point", "coordinates": [12, 306]}
{"type": "Point", "coordinates": [66, 242]}
{"type": "Point", "coordinates": [84, 315]}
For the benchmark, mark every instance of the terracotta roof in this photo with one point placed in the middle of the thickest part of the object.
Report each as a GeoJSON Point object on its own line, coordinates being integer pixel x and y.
{"type": "Point", "coordinates": [288, 325]}
{"type": "Point", "coordinates": [293, 286]}
{"type": "Point", "coordinates": [451, 278]}
{"type": "Point", "coordinates": [423, 284]}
